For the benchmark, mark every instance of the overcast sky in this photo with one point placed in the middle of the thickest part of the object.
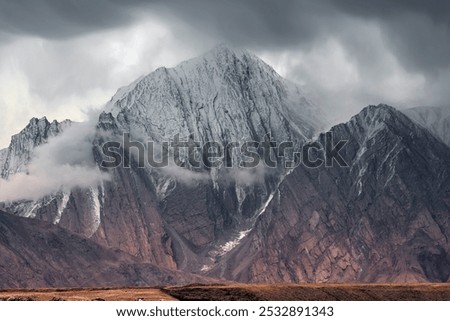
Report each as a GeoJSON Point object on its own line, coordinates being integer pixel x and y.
{"type": "Point", "coordinates": [59, 58]}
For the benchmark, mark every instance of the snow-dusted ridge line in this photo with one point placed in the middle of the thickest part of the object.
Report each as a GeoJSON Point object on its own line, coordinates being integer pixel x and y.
{"type": "Point", "coordinates": [16, 157]}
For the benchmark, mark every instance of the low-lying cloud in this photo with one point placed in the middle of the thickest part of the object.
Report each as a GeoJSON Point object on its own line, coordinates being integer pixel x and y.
{"type": "Point", "coordinates": [64, 163]}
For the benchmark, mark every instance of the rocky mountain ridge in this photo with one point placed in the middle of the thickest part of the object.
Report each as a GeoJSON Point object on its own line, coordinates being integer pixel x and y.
{"type": "Point", "coordinates": [384, 218]}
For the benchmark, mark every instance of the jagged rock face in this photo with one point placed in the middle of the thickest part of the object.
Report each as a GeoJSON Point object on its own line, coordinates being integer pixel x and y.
{"type": "Point", "coordinates": [385, 218]}
{"type": "Point", "coordinates": [435, 119]}
{"type": "Point", "coordinates": [36, 254]}
{"type": "Point", "coordinates": [222, 96]}
{"type": "Point", "coordinates": [16, 157]}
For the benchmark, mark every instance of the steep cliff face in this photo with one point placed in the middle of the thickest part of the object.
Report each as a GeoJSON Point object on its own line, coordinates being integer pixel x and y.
{"type": "Point", "coordinates": [224, 96]}
{"type": "Point", "coordinates": [384, 218]}
{"type": "Point", "coordinates": [36, 254]}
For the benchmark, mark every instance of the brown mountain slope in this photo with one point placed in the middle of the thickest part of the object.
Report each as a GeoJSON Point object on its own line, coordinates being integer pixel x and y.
{"type": "Point", "coordinates": [383, 218]}
{"type": "Point", "coordinates": [38, 254]}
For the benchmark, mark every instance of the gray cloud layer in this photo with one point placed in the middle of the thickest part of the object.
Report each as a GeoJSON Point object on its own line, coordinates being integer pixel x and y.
{"type": "Point", "coordinates": [60, 19]}
{"type": "Point", "coordinates": [416, 30]}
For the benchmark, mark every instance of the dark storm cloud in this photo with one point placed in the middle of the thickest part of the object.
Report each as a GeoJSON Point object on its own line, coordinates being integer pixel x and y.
{"type": "Point", "coordinates": [437, 10]}
{"type": "Point", "coordinates": [58, 19]}
{"type": "Point", "coordinates": [237, 21]}
{"type": "Point", "coordinates": [417, 32]}
{"type": "Point", "coordinates": [262, 22]}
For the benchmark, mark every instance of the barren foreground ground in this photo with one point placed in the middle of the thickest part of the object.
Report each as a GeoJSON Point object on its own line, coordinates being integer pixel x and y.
{"type": "Point", "coordinates": [243, 292]}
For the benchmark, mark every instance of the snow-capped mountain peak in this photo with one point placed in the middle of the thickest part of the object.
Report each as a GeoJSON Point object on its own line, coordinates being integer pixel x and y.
{"type": "Point", "coordinates": [16, 157]}
{"type": "Point", "coordinates": [223, 95]}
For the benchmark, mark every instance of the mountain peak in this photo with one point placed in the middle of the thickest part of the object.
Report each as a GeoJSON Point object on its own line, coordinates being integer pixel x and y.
{"type": "Point", "coordinates": [225, 57]}
{"type": "Point", "coordinates": [42, 119]}
{"type": "Point", "coordinates": [377, 111]}
{"type": "Point", "coordinates": [227, 53]}
{"type": "Point", "coordinates": [376, 117]}
{"type": "Point", "coordinates": [224, 48]}
{"type": "Point", "coordinates": [17, 156]}
{"type": "Point", "coordinates": [33, 121]}
{"type": "Point", "coordinates": [224, 94]}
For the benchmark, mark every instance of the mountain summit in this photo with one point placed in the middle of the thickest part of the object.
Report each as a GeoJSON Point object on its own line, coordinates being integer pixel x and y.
{"type": "Point", "coordinates": [224, 95]}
